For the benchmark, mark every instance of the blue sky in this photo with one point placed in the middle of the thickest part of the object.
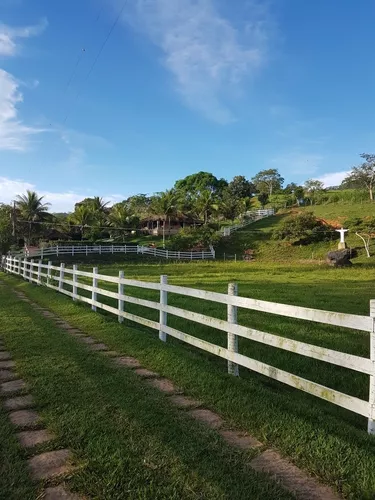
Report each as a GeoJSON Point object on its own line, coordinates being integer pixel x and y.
{"type": "Point", "coordinates": [230, 87]}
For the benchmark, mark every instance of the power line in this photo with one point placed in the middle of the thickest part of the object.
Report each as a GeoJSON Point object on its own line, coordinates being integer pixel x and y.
{"type": "Point", "coordinates": [114, 24]}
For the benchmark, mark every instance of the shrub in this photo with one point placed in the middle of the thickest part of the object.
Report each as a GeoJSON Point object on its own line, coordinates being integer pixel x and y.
{"type": "Point", "coordinates": [195, 237]}
{"type": "Point", "coordinates": [303, 228]}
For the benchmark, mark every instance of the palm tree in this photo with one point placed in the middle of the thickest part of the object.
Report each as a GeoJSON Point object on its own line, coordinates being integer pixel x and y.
{"type": "Point", "coordinates": [98, 204]}
{"type": "Point", "coordinates": [121, 218]}
{"type": "Point", "coordinates": [31, 208]}
{"type": "Point", "coordinates": [165, 205]}
{"type": "Point", "coordinates": [82, 217]}
{"type": "Point", "coordinates": [205, 204]}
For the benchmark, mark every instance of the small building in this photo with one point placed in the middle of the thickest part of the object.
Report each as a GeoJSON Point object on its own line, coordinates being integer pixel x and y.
{"type": "Point", "coordinates": [156, 225]}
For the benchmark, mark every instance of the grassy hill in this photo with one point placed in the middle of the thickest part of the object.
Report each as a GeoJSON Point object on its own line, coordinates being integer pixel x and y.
{"type": "Point", "coordinates": [258, 237]}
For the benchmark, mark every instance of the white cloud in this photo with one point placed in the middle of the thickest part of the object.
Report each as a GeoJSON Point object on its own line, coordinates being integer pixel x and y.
{"type": "Point", "coordinates": [60, 201]}
{"type": "Point", "coordinates": [333, 178]}
{"type": "Point", "coordinates": [9, 36]}
{"type": "Point", "coordinates": [208, 56]}
{"type": "Point", "coordinates": [14, 135]}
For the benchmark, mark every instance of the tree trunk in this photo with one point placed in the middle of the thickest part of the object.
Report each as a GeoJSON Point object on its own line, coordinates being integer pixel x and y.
{"type": "Point", "coordinates": [371, 193]}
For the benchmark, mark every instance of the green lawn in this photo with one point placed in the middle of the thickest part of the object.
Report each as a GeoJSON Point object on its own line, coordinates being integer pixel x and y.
{"type": "Point", "coordinates": [326, 440]}
{"type": "Point", "coordinates": [127, 439]}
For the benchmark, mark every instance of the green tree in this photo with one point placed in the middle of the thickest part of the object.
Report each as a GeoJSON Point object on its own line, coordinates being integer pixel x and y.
{"type": "Point", "coordinates": [240, 187]}
{"type": "Point", "coordinates": [263, 199]}
{"type": "Point", "coordinates": [268, 181]}
{"type": "Point", "coordinates": [205, 205]}
{"type": "Point", "coordinates": [122, 220]}
{"type": "Point", "coordinates": [6, 230]}
{"type": "Point", "coordinates": [229, 206]}
{"type": "Point", "coordinates": [194, 184]}
{"type": "Point", "coordinates": [302, 228]}
{"type": "Point", "coordinates": [82, 217]}
{"type": "Point", "coordinates": [165, 205]}
{"type": "Point", "coordinates": [363, 175]}
{"type": "Point", "coordinates": [296, 192]}
{"type": "Point", "coordinates": [139, 205]}
{"type": "Point", "coordinates": [312, 188]}
{"type": "Point", "coordinates": [33, 211]}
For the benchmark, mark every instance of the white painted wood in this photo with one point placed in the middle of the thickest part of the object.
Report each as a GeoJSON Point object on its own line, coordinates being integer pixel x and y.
{"type": "Point", "coordinates": [351, 361]}
{"type": "Point", "coordinates": [142, 302]}
{"type": "Point", "coordinates": [142, 284]}
{"type": "Point", "coordinates": [349, 402]}
{"type": "Point", "coordinates": [371, 420]}
{"type": "Point", "coordinates": [94, 287]}
{"type": "Point", "coordinates": [40, 272]}
{"type": "Point", "coordinates": [75, 281]}
{"type": "Point", "coordinates": [31, 270]}
{"type": "Point", "coordinates": [352, 321]}
{"type": "Point", "coordinates": [61, 276]}
{"type": "Point", "coordinates": [163, 303]}
{"type": "Point", "coordinates": [120, 295]}
{"type": "Point", "coordinates": [24, 268]}
{"type": "Point", "coordinates": [49, 272]}
{"type": "Point", "coordinates": [232, 339]}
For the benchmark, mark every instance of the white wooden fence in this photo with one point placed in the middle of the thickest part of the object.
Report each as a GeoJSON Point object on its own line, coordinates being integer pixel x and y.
{"type": "Point", "coordinates": [56, 277]}
{"type": "Point", "coordinates": [252, 217]}
{"type": "Point", "coordinates": [59, 250]}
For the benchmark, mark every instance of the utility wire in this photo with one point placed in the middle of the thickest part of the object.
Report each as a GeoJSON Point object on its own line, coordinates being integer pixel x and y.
{"type": "Point", "coordinates": [98, 54]}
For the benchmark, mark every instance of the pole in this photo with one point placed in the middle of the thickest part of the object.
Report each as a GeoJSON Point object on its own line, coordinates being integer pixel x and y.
{"type": "Point", "coordinates": [75, 279]}
{"type": "Point", "coordinates": [163, 302]}
{"type": "Point", "coordinates": [371, 420]}
{"type": "Point", "coordinates": [94, 287]}
{"type": "Point", "coordinates": [120, 295]}
{"type": "Point", "coordinates": [232, 338]}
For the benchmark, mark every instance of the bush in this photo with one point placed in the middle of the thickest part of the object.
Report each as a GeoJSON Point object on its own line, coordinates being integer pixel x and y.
{"type": "Point", "coordinates": [195, 237]}
{"type": "Point", "coordinates": [303, 228]}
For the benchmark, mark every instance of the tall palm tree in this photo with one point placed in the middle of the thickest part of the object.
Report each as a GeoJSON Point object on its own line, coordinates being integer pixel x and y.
{"type": "Point", "coordinates": [31, 208]}
{"type": "Point", "coordinates": [122, 218]}
{"type": "Point", "coordinates": [98, 204]}
{"type": "Point", "coordinates": [82, 217]}
{"type": "Point", "coordinates": [205, 204]}
{"type": "Point", "coordinates": [165, 205]}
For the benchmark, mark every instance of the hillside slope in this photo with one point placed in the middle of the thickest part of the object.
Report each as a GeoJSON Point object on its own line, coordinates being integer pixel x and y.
{"type": "Point", "coordinates": [258, 237]}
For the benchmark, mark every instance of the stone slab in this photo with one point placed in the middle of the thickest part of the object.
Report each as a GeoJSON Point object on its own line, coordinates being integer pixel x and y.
{"type": "Point", "coordinates": [7, 364]}
{"type": "Point", "coordinates": [111, 354]}
{"type": "Point", "coordinates": [184, 402]}
{"type": "Point", "coordinates": [88, 340]}
{"type": "Point", "coordinates": [4, 356]}
{"type": "Point", "coordinates": [98, 347]}
{"type": "Point", "coordinates": [163, 384]}
{"type": "Point", "coordinates": [19, 402]}
{"type": "Point", "coordinates": [6, 375]}
{"type": "Point", "coordinates": [291, 477]}
{"type": "Point", "coordinates": [29, 439]}
{"type": "Point", "coordinates": [24, 418]}
{"type": "Point", "coordinates": [13, 386]}
{"type": "Point", "coordinates": [59, 493]}
{"type": "Point", "coordinates": [143, 372]}
{"type": "Point", "coordinates": [208, 417]}
{"type": "Point", "coordinates": [50, 464]}
{"type": "Point", "coordinates": [128, 361]}
{"type": "Point", "coordinates": [240, 440]}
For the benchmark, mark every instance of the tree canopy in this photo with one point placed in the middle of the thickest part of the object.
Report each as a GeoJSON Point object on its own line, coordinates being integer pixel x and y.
{"type": "Point", "coordinates": [268, 181]}
{"type": "Point", "coordinates": [363, 175]}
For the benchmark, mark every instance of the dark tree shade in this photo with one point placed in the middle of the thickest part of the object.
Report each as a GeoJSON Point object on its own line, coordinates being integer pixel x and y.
{"type": "Point", "coordinates": [240, 187]}
{"type": "Point", "coordinates": [202, 181]}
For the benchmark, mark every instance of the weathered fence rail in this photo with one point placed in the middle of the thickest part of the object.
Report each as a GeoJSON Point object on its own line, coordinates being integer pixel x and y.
{"type": "Point", "coordinates": [55, 277]}
{"type": "Point", "coordinates": [60, 250]}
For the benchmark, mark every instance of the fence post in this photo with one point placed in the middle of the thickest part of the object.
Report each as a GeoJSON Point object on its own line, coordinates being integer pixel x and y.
{"type": "Point", "coordinates": [371, 420]}
{"type": "Point", "coordinates": [31, 272]}
{"type": "Point", "coordinates": [112, 249]}
{"type": "Point", "coordinates": [94, 286]}
{"type": "Point", "coordinates": [163, 302]}
{"type": "Point", "coordinates": [100, 249]}
{"type": "Point", "coordinates": [57, 250]}
{"type": "Point", "coordinates": [49, 272]}
{"type": "Point", "coordinates": [86, 250]}
{"type": "Point", "coordinates": [232, 339]}
{"type": "Point", "coordinates": [41, 253]}
{"type": "Point", "coordinates": [191, 255]}
{"type": "Point", "coordinates": [62, 269]}
{"type": "Point", "coordinates": [167, 254]}
{"type": "Point", "coordinates": [39, 272]}
{"type": "Point", "coordinates": [75, 279]}
{"type": "Point", "coordinates": [120, 294]}
{"type": "Point", "coordinates": [72, 249]}
{"type": "Point", "coordinates": [24, 268]}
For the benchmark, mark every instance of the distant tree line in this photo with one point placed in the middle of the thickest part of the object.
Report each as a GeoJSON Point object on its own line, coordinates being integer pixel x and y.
{"type": "Point", "coordinates": [202, 197]}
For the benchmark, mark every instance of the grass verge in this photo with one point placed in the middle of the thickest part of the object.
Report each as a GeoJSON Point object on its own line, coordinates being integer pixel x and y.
{"type": "Point", "coordinates": [128, 441]}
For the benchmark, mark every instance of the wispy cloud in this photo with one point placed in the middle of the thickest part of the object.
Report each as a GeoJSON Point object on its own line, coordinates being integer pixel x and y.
{"type": "Point", "coordinates": [14, 135]}
{"type": "Point", "coordinates": [333, 178]}
{"type": "Point", "coordinates": [9, 36]}
{"type": "Point", "coordinates": [208, 56]}
{"type": "Point", "coordinates": [60, 201]}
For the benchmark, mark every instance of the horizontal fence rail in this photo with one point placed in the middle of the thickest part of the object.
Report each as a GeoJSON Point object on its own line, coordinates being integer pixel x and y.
{"type": "Point", "coordinates": [55, 277]}
{"type": "Point", "coordinates": [59, 250]}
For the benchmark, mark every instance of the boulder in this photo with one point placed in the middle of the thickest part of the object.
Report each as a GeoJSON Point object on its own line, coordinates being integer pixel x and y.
{"type": "Point", "coordinates": [340, 258]}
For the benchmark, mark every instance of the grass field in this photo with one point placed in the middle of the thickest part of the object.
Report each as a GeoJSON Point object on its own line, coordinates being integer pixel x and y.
{"type": "Point", "coordinates": [127, 439]}
{"type": "Point", "coordinates": [328, 441]}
